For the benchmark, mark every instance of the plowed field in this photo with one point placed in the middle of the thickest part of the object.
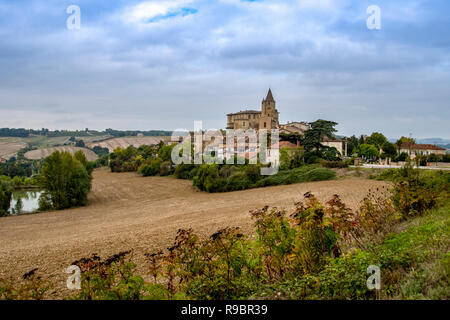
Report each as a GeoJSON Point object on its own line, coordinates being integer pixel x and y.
{"type": "Point", "coordinates": [127, 211]}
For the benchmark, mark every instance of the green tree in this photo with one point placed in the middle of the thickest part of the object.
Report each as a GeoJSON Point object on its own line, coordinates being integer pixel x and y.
{"type": "Point", "coordinates": [368, 151]}
{"type": "Point", "coordinates": [313, 137]}
{"type": "Point", "coordinates": [352, 144]}
{"type": "Point", "coordinates": [101, 152]}
{"type": "Point", "coordinates": [5, 197]}
{"type": "Point", "coordinates": [165, 152]}
{"type": "Point", "coordinates": [66, 181]}
{"type": "Point", "coordinates": [377, 139]}
{"type": "Point", "coordinates": [361, 140]}
{"type": "Point", "coordinates": [389, 150]}
{"type": "Point", "coordinates": [80, 156]}
{"type": "Point", "coordinates": [80, 144]}
{"type": "Point", "coordinates": [19, 206]}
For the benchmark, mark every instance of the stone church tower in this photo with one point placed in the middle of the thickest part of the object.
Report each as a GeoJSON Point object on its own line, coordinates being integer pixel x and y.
{"type": "Point", "coordinates": [267, 118]}
{"type": "Point", "coordinates": [269, 113]}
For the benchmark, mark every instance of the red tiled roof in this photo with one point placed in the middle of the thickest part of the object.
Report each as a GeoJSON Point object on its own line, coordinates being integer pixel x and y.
{"type": "Point", "coordinates": [409, 145]}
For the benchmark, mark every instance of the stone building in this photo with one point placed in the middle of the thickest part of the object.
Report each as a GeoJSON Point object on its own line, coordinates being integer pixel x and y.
{"type": "Point", "coordinates": [335, 143]}
{"type": "Point", "coordinates": [294, 127]}
{"type": "Point", "coordinates": [267, 118]}
{"type": "Point", "coordinates": [414, 150]}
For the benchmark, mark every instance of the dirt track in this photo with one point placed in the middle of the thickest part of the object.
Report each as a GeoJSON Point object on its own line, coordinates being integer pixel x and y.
{"type": "Point", "coordinates": [127, 211]}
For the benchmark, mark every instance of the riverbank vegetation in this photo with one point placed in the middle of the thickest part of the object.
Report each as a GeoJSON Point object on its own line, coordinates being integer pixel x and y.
{"type": "Point", "coordinates": [66, 181]}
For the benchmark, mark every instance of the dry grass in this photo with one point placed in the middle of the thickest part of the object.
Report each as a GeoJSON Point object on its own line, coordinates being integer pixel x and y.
{"type": "Point", "coordinates": [10, 146]}
{"type": "Point", "coordinates": [127, 211]}
{"type": "Point", "coordinates": [44, 153]}
{"type": "Point", "coordinates": [112, 144]}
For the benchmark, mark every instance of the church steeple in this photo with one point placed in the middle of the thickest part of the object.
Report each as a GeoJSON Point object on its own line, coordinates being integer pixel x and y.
{"type": "Point", "coordinates": [269, 97]}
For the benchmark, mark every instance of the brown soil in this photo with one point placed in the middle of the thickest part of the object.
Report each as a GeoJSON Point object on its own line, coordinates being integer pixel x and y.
{"type": "Point", "coordinates": [127, 211]}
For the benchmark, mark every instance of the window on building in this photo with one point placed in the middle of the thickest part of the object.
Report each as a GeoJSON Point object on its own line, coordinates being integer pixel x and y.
{"type": "Point", "coordinates": [265, 125]}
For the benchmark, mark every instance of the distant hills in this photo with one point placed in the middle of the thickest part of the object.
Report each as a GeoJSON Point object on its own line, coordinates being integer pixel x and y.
{"type": "Point", "coordinates": [436, 141]}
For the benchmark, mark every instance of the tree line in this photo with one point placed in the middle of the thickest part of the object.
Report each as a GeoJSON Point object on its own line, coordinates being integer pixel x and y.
{"type": "Point", "coordinates": [24, 133]}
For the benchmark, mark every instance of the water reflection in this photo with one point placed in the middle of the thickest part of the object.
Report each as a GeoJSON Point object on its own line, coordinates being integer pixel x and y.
{"type": "Point", "coordinates": [24, 201]}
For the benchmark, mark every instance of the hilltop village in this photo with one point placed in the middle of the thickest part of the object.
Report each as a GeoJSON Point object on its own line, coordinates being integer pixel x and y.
{"type": "Point", "coordinates": [268, 118]}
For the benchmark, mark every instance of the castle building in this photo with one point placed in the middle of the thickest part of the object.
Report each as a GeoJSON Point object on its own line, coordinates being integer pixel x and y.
{"type": "Point", "coordinates": [267, 118]}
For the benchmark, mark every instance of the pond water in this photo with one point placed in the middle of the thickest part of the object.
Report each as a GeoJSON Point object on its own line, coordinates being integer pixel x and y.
{"type": "Point", "coordinates": [29, 199]}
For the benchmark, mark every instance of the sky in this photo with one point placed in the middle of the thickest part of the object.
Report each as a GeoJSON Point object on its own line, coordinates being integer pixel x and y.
{"type": "Point", "coordinates": [161, 65]}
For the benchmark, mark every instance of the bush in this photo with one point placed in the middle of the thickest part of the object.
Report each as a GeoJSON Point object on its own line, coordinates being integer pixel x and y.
{"type": "Point", "coordinates": [218, 268]}
{"type": "Point", "coordinates": [124, 160]}
{"type": "Point", "coordinates": [186, 171]}
{"type": "Point", "coordinates": [45, 202]}
{"type": "Point", "coordinates": [274, 242]}
{"type": "Point", "coordinates": [315, 240]}
{"type": "Point", "coordinates": [274, 180]}
{"type": "Point", "coordinates": [230, 178]}
{"type": "Point", "coordinates": [311, 158]}
{"type": "Point", "coordinates": [151, 169]}
{"type": "Point", "coordinates": [114, 279]}
{"type": "Point", "coordinates": [101, 162]}
{"type": "Point", "coordinates": [320, 174]}
{"type": "Point", "coordinates": [291, 158]}
{"type": "Point", "coordinates": [33, 287]}
{"type": "Point", "coordinates": [165, 168]}
{"type": "Point", "coordinates": [101, 152]}
{"type": "Point", "coordinates": [414, 193]}
{"type": "Point", "coordinates": [80, 144]}
{"type": "Point", "coordinates": [208, 179]}
{"type": "Point", "coordinates": [253, 173]}
{"type": "Point", "coordinates": [238, 181]}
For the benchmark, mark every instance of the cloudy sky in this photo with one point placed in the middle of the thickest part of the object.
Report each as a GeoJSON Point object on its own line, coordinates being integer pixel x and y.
{"type": "Point", "coordinates": [163, 64]}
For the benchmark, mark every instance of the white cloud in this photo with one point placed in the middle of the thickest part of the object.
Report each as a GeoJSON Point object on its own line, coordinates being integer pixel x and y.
{"type": "Point", "coordinates": [150, 9]}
